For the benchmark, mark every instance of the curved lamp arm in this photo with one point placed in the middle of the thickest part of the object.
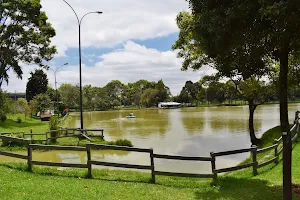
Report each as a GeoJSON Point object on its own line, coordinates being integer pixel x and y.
{"type": "Point", "coordinates": [97, 12]}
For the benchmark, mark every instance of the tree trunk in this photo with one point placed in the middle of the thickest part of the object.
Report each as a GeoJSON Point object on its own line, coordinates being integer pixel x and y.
{"type": "Point", "coordinates": [252, 107]}
{"type": "Point", "coordinates": [284, 123]}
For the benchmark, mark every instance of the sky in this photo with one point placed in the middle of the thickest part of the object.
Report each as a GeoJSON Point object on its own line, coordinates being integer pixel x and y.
{"type": "Point", "coordinates": [130, 41]}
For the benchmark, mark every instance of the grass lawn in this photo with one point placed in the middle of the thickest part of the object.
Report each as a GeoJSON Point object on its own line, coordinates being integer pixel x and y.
{"type": "Point", "coordinates": [50, 183]}
{"type": "Point", "coordinates": [34, 123]}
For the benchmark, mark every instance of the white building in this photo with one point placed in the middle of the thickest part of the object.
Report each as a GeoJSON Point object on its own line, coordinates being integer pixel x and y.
{"type": "Point", "coordinates": [169, 105]}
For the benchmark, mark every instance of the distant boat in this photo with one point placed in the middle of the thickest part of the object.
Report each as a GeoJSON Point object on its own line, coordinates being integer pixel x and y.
{"type": "Point", "coordinates": [130, 115]}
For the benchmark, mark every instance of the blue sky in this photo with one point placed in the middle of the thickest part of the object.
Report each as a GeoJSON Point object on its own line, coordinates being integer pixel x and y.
{"type": "Point", "coordinates": [130, 41]}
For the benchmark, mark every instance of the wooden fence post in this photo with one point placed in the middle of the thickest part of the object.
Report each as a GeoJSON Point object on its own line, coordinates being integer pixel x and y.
{"type": "Point", "coordinates": [213, 168]}
{"type": "Point", "coordinates": [254, 160]}
{"type": "Point", "coordinates": [46, 137]}
{"type": "Point", "coordinates": [23, 134]}
{"type": "Point", "coordinates": [89, 165]}
{"type": "Point", "coordinates": [31, 133]}
{"type": "Point", "coordinates": [152, 166]}
{"type": "Point", "coordinates": [29, 154]}
{"type": "Point", "coordinates": [276, 151]}
{"type": "Point", "coordinates": [102, 135]}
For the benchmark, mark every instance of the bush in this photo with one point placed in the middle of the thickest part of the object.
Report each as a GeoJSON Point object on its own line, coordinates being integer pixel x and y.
{"type": "Point", "coordinates": [3, 117]}
{"type": "Point", "coordinates": [6, 143]}
{"type": "Point", "coordinates": [126, 143]}
{"type": "Point", "coordinates": [54, 123]}
{"type": "Point", "coordinates": [19, 120]}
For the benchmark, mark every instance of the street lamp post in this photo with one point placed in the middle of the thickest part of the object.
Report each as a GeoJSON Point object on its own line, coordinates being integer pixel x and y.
{"type": "Point", "coordinates": [80, 82]}
{"type": "Point", "coordinates": [56, 82]}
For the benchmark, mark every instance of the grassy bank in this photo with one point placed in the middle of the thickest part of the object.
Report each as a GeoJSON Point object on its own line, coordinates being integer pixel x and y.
{"type": "Point", "coordinates": [34, 123]}
{"type": "Point", "coordinates": [50, 183]}
{"type": "Point", "coordinates": [38, 126]}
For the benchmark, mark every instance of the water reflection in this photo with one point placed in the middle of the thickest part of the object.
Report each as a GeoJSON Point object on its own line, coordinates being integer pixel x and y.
{"type": "Point", "coordinates": [115, 123]}
{"type": "Point", "coordinates": [186, 132]}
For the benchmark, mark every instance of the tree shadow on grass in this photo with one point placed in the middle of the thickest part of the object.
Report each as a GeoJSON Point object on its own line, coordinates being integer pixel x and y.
{"type": "Point", "coordinates": [242, 189]}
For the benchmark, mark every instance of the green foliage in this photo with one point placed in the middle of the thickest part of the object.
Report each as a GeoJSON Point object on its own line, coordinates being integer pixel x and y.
{"type": "Point", "coordinates": [54, 123]}
{"type": "Point", "coordinates": [21, 105]}
{"type": "Point", "coordinates": [2, 116]}
{"type": "Point", "coordinates": [25, 36]}
{"type": "Point", "coordinates": [19, 120]}
{"type": "Point", "coordinates": [41, 103]}
{"type": "Point", "coordinates": [52, 94]}
{"type": "Point", "coordinates": [7, 105]}
{"type": "Point", "coordinates": [37, 84]}
{"type": "Point", "coordinates": [8, 143]}
{"type": "Point", "coordinates": [121, 142]}
{"type": "Point", "coordinates": [69, 95]}
{"type": "Point", "coordinates": [149, 97]}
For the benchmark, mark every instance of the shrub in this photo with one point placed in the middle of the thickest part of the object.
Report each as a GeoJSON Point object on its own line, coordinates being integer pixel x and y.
{"type": "Point", "coordinates": [121, 142]}
{"type": "Point", "coordinates": [19, 120]}
{"type": "Point", "coordinates": [3, 117]}
{"type": "Point", "coordinates": [6, 143]}
{"type": "Point", "coordinates": [54, 125]}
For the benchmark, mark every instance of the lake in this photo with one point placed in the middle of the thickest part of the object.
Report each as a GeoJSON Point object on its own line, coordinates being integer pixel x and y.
{"type": "Point", "coordinates": [184, 132]}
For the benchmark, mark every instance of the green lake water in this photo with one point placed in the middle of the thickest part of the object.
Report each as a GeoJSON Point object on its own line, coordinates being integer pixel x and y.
{"type": "Point", "coordinates": [184, 132]}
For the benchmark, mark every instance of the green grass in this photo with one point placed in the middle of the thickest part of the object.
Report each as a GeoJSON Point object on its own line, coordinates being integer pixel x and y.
{"type": "Point", "coordinates": [50, 183]}
{"type": "Point", "coordinates": [34, 123]}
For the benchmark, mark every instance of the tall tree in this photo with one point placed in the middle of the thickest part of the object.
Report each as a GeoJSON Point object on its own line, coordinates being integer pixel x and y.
{"type": "Point", "coordinates": [41, 102]}
{"type": "Point", "coordinates": [163, 92]}
{"type": "Point", "coordinates": [259, 28]}
{"type": "Point", "coordinates": [115, 90]}
{"type": "Point", "coordinates": [37, 84]}
{"type": "Point", "coordinates": [69, 95]}
{"type": "Point", "coordinates": [25, 36]}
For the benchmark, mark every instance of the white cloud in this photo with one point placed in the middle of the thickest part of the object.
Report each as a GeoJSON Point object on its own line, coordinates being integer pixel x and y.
{"type": "Point", "coordinates": [122, 20]}
{"type": "Point", "coordinates": [129, 64]}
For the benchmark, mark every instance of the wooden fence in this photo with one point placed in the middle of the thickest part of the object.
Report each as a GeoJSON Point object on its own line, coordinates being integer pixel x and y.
{"type": "Point", "coordinates": [151, 167]}
{"type": "Point", "coordinates": [61, 133]}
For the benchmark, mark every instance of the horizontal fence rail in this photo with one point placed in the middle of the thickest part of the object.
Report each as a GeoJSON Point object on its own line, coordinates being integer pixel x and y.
{"type": "Point", "coordinates": [229, 169]}
{"type": "Point", "coordinates": [267, 148]}
{"type": "Point", "coordinates": [75, 132]}
{"type": "Point", "coordinates": [120, 148]}
{"type": "Point", "coordinates": [110, 164]}
{"type": "Point", "coordinates": [54, 147]}
{"type": "Point", "coordinates": [183, 174]}
{"type": "Point", "coordinates": [226, 153]}
{"type": "Point", "coordinates": [182, 157]}
{"type": "Point", "coordinates": [188, 158]}
{"type": "Point", "coordinates": [14, 155]}
{"type": "Point", "coordinates": [53, 164]}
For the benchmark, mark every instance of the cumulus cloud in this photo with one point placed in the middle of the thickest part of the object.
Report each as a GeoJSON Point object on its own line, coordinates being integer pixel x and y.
{"type": "Point", "coordinates": [121, 21]}
{"type": "Point", "coordinates": [128, 64]}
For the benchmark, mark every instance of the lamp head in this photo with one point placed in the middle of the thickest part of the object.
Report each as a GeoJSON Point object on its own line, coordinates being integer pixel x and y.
{"type": "Point", "coordinates": [99, 12]}
{"type": "Point", "coordinates": [66, 63]}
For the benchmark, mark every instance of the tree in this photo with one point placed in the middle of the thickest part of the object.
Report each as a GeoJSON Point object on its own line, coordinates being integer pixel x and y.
{"type": "Point", "coordinates": [6, 106]}
{"type": "Point", "coordinates": [21, 105]}
{"type": "Point", "coordinates": [42, 102]}
{"type": "Point", "coordinates": [115, 90]}
{"type": "Point", "coordinates": [260, 28]}
{"type": "Point", "coordinates": [25, 36]}
{"type": "Point", "coordinates": [163, 92]}
{"type": "Point", "coordinates": [149, 97]}
{"type": "Point", "coordinates": [255, 92]}
{"type": "Point", "coordinates": [37, 84]}
{"type": "Point", "coordinates": [236, 59]}
{"type": "Point", "coordinates": [69, 95]}
{"type": "Point", "coordinates": [52, 94]}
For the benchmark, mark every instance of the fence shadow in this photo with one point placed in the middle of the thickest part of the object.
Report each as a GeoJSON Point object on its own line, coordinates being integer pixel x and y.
{"type": "Point", "coordinates": [241, 189]}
